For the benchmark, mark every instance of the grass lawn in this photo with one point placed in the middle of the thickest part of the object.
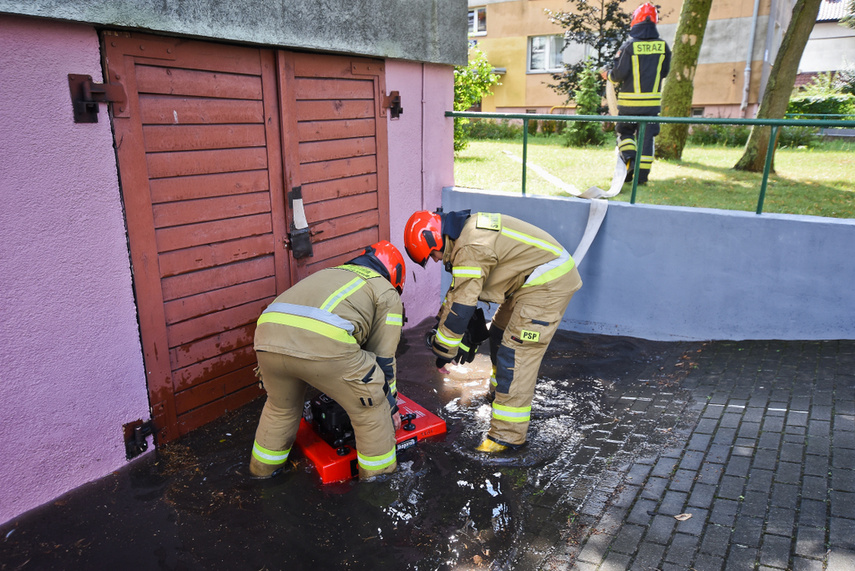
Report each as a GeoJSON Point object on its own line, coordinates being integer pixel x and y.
{"type": "Point", "coordinates": [818, 181]}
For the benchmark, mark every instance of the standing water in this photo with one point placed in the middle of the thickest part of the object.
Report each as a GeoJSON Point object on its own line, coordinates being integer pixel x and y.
{"type": "Point", "coordinates": [191, 506]}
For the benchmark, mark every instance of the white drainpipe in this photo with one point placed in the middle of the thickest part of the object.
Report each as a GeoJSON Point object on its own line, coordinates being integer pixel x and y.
{"type": "Point", "coordinates": [747, 82]}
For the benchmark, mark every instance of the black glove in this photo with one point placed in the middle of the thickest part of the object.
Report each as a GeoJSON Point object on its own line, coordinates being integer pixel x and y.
{"type": "Point", "coordinates": [466, 351]}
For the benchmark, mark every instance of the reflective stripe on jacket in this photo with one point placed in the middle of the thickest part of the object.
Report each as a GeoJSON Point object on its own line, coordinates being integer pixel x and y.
{"type": "Point", "coordinates": [494, 256]}
{"type": "Point", "coordinates": [639, 68]}
{"type": "Point", "coordinates": [333, 312]}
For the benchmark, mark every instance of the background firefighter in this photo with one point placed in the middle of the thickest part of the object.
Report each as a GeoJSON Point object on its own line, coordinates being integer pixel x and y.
{"type": "Point", "coordinates": [338, 331]}
{"type": "Point", "coordinates": [639, 68]}
{"type": "Point", "coordinates": [497, 259]}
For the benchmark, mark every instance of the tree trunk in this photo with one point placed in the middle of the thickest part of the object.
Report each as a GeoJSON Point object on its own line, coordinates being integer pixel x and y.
{"type": "Point", "coordinates": [679, 86]}
{"type": "Point", "coordinates": [780, 84]}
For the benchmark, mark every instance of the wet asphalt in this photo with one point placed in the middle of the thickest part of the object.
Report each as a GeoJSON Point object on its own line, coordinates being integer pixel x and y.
{"type": "Point", "coordinates": [641, 455]}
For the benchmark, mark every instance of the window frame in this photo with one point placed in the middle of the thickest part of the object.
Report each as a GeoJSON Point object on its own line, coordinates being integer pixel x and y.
{"type": "Point", "coordinates": [552, 45]}
{"type": "Point", "coordinates": [473, 23]}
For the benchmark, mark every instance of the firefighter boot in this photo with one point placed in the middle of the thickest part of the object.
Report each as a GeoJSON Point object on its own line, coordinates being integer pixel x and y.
{"type": "Point", "coordinates": [490, 447]}
{"type": "Point", "coordinates": [261, 471]}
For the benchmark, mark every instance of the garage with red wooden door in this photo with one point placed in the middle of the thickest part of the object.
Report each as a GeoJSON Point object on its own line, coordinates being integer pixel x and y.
{"type": "Point", "coordinates": [242, 170]}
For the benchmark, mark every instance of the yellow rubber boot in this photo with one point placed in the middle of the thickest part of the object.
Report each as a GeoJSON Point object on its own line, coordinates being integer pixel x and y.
{"type": "Point", "coordinates": [490, 447]}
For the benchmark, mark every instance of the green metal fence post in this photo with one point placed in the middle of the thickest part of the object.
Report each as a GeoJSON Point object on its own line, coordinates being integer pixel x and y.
{"type": "Point", "coordinates": [770, 151]}
{"type": "Point", "coordinates": [525, 152]}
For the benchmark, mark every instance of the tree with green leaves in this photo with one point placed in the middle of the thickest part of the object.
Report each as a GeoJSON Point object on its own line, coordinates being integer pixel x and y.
{"type": "Point", "coordinates": [780, 84]}
{"type": "Point", "coordinates": [600, 25]}
{"type": "Point", "coordinates": [471, 83]}
{"type": "Point", "coordinates": [588, 101]}
{"type": "Point", "coordinates": [679, 87]}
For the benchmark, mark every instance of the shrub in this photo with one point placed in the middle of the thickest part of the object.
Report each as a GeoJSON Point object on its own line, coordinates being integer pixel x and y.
{"type": "Point", "coordinates": [798, 137]}
{"type": "Point", "coordinates": [833, 104]}
{"type": "Point", "coordinates": [492, 129]}
{"type": "Point", "coordinates": [471, 82]}
{"type": "Point", "coordinates": [549, 127]}
{"type": "Point", "coordinates": [532, 127]}
{"type": "Point", "coordinates": [588, 101]}
{"type": "Point", "coordinates": [723, 135]}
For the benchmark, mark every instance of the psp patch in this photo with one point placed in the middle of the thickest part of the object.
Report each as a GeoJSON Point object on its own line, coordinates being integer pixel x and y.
{"type": "Point", "coordinates": [489, 221]}
{"type": "Point", "coordinates": [533, 336]}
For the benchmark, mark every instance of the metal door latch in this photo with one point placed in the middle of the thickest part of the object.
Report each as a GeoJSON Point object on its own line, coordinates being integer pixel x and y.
{"type": "Point", "coordinates": [86, 95]}
{"type": "Point", "coordinates": [299, 236]}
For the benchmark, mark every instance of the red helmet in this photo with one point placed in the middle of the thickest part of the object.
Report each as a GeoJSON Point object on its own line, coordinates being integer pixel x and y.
{"type": "Point", "coordinates": [423, 235]}
{"type": "Point", "coordinates": [644, 12]}
{"type": "Point", "coordinates": [392, 260]}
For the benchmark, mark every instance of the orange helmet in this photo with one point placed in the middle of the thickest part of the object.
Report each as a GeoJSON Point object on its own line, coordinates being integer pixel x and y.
{"type": "Point", "coordinates": [644, 12]}
{"type": "Point", "coordinates": [392, 260]}
{"type": "Point", "coordinates": [423, 235]}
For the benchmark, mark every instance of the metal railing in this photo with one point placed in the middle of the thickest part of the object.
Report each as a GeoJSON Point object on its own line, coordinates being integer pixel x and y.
{"type": "Point", "coordinates": [642, 121]}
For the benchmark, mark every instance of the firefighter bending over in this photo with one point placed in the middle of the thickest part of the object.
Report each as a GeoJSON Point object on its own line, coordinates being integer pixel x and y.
{"type": "Point", "coordinates": [639, 68]}
{"type": "Point", "coordinates": [336, 330]}
{"type": "Point", "coordinates": [497, 259]}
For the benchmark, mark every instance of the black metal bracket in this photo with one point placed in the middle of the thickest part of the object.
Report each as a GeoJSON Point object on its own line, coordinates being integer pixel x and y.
{"type": "Point", "coordinates": [135, 437]}
{"type": "Point", "coordinates": [86, 95]}
{"type": "Point", "coordinates": [393, 102]}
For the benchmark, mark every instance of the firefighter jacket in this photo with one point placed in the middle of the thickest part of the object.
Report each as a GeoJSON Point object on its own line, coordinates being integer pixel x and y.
{"type": "Point", "coordinates": [334, 312]}
{"type": "Point", "coordinates": [639, 68]}
{"type": "Point", "coordinates": [490, 256]}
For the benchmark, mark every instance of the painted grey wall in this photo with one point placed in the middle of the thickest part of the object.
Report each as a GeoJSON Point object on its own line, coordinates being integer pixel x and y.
{"type": "Point", "coordinates": [432, 31]}
{"type": "Point", "coordinates": [666, 273]}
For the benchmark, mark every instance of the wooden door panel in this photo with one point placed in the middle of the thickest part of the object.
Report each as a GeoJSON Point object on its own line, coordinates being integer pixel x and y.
{"type": "Point", "coordinates": [225, 384]}
{"type": "Point", "coordinates": [331, 88]}
{"type": "Point", "coordinates": [204, 303]}
{"type": "Point", "coordinates": [205, 214]}
{"type": "Point", "coordinates": [186, 163]}
{"type": "Point", "coordinates": [212, 255]}
{"type": "Point", "coordinates": [209, 324]}
{"type": "Point", "coordinates": [329, 130]}
{"type": "Point", "coordinates": [339, 142]}
{"type": "Point", "coordinates": [166, 110]}
{"type": "Point", "coordinates": [177, 287]}
{"type": "Point", "coordinates": [210, 142]}
{"type": "Point", "coordinates": [330, 189]}
{"type": "Point", "coordinates": [337, 149]}
{"type": "Point", "coordinates": [186, 356]}
{"type": "Point", "coordinates": [335, 109]}
{"type": "Point", "coordinates": [211, 209]}
{"type": "Point", "coordinates": [186, 236]}
{"type": "Point", "coordinates": [198, 137]}
{"type": "Point", "coordinates": [162, 80]}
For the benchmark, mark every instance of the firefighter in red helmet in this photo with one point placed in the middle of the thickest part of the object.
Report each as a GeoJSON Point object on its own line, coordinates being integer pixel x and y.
{"type": "Point", "coordinates": [496, 258]}
{"type": "Point", "coordinates": [336, 330]}
{"type": "Point", "coordinates": [639, 69]}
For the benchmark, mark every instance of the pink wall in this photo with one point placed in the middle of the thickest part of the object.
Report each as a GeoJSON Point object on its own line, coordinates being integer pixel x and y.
{"type": "Point", "coordinates": [421, 163]}
{"type": "Point", "coordinates": [71, 371]}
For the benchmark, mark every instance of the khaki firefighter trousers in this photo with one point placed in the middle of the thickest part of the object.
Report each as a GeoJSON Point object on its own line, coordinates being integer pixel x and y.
{"type": "Point", "coordinates": [354, 382]}
{"type": "Point", "coordinates": [520, 333]}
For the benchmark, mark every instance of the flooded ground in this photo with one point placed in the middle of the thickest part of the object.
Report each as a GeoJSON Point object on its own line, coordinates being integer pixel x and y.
{"type": "Point", "coordinates": [191, 506]}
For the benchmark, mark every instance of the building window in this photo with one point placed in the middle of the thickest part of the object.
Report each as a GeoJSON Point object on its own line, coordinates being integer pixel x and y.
{"type": "Point", "coordinates": [478, 21]}
{"type": "Point", "coordinates": [544, 53]}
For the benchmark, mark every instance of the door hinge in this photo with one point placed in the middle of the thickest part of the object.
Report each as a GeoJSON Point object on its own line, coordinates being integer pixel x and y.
{"type": "Point", "coordinates": [393, 103]}
{"type": "Point", "coordinates": [86, 95]}
{"type": "Point", "coordinates": [135, 437]}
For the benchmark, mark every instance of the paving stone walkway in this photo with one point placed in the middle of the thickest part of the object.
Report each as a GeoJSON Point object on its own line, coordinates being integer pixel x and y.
{"type": "Point", "coordinates": [760, 474]}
